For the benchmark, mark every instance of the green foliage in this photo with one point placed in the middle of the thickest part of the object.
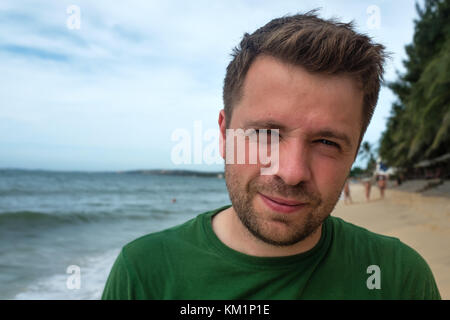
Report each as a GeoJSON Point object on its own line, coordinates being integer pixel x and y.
{"type": "Point", "coordinates": [419, 124]}
{"type": "Point", "coordinates": [367, 152]}
{"type": "Point", "coordinates": [356, 172]}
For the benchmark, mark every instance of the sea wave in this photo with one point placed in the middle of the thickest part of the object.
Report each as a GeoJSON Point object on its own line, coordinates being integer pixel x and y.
{"type": "Point", "coordinates": [36, 218]}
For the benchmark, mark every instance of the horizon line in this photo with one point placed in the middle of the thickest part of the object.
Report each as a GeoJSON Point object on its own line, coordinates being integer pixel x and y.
{"type": "Point", "coordinates": [112, 171]}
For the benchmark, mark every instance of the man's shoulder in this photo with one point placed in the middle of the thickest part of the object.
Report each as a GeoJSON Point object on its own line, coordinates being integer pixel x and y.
{"type": "Point", "coordinates": [404, 272]}
{"type": "Point", "coordinates": [178, 236]}
{"type": "Point", "coordinates": [375, 245]}
{"type": "Point", "coordinates": [353, 232]}
{"type": "Point", "coordinates": [159, 239]}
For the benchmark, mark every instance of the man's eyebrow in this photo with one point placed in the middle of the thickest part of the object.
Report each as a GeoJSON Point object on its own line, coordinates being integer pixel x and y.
{"type": "Point", "coordinates": [264, 124]}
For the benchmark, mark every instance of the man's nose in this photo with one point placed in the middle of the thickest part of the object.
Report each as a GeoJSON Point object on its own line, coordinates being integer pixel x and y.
{"type": "Point", "coordinates": [294, 162]}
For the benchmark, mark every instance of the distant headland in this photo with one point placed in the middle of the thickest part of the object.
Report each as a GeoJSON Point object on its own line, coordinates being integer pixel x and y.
{"type": "Point", "coordinates": [192, 173]}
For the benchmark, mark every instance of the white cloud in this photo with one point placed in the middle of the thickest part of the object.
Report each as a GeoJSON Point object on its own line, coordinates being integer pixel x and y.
{"type": "Point", "coordinates": [136, 71]}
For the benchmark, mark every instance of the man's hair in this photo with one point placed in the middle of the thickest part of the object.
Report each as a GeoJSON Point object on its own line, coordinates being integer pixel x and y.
{"type": "Point", "coordinates": [318, 45]}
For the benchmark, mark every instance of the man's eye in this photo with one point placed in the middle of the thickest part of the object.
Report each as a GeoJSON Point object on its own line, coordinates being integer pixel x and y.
{"type": "Point", "coordinates": [328, 143]}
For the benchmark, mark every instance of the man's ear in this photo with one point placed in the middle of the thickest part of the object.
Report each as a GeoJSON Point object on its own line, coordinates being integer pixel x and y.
{"type": "Point", "coordinates": [222, 128]}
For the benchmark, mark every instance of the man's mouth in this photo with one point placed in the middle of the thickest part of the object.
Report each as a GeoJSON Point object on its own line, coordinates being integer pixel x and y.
{"type": "Point", "coordinates": [282, 205]}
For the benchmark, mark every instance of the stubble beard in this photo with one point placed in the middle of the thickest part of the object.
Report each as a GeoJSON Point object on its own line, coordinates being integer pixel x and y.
{"type": "Point", "coordinates": [242, 197]}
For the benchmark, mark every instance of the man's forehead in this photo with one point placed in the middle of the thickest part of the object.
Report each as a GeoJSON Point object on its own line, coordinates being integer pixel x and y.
{"type": "Point", "coordinates": [283, 80]}
{"type": "Point", "coordinates": [268, 67]}
{"type": "Point", "coordinates": [271, 83]}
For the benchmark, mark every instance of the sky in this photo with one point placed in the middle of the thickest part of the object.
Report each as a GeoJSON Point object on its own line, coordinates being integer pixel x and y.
{"type": "Point", "coordinates": [105, 85]}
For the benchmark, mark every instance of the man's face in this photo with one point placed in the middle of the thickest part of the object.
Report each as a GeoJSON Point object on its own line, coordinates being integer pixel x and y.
{"type": "Point", "coordinates": [319, 121]}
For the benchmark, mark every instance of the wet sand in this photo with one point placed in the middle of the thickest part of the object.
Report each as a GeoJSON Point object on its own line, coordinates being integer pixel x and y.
{"type": "Point", "coordinates": [419, 219]}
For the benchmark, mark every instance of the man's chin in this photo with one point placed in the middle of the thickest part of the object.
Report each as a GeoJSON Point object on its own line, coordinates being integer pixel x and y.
{"type": "Point", "coordinates": [277, 230]}
{"type": "Point", "coordinates": [280, 233]}
{"type": "Point", "coordinates": [280, 240]}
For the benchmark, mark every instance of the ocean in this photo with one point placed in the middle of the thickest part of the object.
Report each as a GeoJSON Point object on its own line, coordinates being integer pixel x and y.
{"type": "Point", "coordinates": [52, 223]}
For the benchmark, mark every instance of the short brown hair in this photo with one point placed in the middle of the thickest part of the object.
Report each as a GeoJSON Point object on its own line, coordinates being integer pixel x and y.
{"type": "Point", "coordinates": [318, 45]}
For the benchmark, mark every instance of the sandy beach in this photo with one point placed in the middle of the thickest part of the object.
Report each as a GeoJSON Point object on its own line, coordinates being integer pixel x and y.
{"type": "Point", "coordinates": [419, 219]}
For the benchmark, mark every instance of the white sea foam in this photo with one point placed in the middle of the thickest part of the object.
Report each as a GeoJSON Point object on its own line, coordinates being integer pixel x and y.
{"type": "Point", "coordinates": [93, 275]}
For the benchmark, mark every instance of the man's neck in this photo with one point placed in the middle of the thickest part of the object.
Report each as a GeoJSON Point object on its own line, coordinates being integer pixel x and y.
{"type": "Point", "coordinates": [230, 230]}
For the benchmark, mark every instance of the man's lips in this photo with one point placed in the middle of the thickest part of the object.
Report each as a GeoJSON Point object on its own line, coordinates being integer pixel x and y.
{"type": "Point", "coordinates": [283, 201]}
{"type": "Point", "coordinates": [281, 205]}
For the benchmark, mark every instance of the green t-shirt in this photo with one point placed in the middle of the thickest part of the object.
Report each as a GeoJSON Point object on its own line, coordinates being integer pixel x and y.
{"type": "Point", "coordinates": [190, 262]}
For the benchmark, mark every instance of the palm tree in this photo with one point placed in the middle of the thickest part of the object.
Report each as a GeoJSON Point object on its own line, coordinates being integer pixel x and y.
{"type": "Point", "coordinates": [419, 125]}
{"type": "Point", "coordinates": [366, 152]}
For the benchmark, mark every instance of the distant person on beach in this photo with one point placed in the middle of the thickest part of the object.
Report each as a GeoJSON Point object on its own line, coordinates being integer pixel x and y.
{"type": "Point", "coordinates": [381, 182]}
{"type": "Point", "coordinates": [398, 179]}
{"type": "Point", "coordinates": [347, 195]}
{"type": "Point", "coordinates": [313, 84]}
{"type": "Point", "coordinates": [367, 182]}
